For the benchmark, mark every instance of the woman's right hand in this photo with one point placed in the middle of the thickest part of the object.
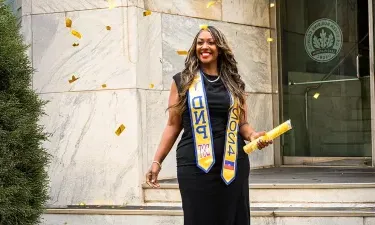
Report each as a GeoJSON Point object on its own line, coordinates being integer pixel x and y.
{"type": "Point", "coordinates": [152, 175]}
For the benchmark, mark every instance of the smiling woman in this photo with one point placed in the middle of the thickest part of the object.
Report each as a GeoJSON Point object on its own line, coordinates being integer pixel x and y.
{"type": "Point", "coordinates": [207, 101]}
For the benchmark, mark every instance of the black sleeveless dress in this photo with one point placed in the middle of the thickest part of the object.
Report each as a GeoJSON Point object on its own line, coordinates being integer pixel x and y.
{"type": "Point", "coordinates": [206, 199]}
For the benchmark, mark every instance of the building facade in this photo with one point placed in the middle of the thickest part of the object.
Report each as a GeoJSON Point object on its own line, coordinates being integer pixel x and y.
{"type": "Point", "coordinates": [311, 61]}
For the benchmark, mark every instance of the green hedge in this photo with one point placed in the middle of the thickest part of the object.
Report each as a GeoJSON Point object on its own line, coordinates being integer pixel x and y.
{"type": "Point", "coordinates": [23, 179]}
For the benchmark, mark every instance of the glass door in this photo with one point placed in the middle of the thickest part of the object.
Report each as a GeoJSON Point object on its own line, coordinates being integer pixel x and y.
{"type": "Point", "coordinates": [325, 82]}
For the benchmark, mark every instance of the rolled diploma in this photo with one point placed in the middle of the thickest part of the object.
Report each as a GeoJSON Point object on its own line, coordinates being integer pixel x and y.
{"type": "Point", "coordinates": [270, 135]}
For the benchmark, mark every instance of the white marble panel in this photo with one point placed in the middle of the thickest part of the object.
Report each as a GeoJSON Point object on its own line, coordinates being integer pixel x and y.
{"type": "Point", "coordinates": [259, 115]}
{"type": "Point", "coordinates": [318, 220]}
{"type": "Point", "coordinates": [26, 32]}
{"type": "Point", "coordinates": [90, 163]}
{"type": "Point", "coordinates": [149, 66]}
{"type": "Point", "coordinates": [53, 6]}
{"type": "Point", "coordinates": [154, 120]}
{"type": "Point", "coordinates": [190, 8]}
{"type": "Point", "coordinates": [249, 44]}
{"type": "Point", "coordinates": [26, 7]}
{"type": "Point", "coordinates": [250, 12]}
{"type": "Point", "coordinates": [102, 56]}
{"type": "Point", "coordinates": [50, 219]}
{"type": "Point", "coordinates": [138, 3]}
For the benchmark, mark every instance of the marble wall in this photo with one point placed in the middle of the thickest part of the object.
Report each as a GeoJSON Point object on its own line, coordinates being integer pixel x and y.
{"type": "Point", "coordinates": [136, 60]}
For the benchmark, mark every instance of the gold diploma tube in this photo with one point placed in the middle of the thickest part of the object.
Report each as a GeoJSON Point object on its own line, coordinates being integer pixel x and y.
{"type": "Point", "coordinates": [270, 135]}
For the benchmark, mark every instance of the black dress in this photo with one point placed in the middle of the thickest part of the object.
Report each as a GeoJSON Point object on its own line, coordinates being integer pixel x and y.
{"type": "Point", "coordinates": [206, 199]}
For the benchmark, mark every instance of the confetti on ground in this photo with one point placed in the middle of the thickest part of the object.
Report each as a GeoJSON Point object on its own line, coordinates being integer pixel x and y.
{"type": "Point", "coordinates": [77, 34]}
{"type": "Point", "coordinates": [104, 85]}
{"type": "Point", "coordinates": [147, 13]}
{"type": "Point", "coordinates": [182, 52]}
{"type": "Point", "coordinates": [73, 79]}
{"type": "Point", "coordinates": [152, 85]}
{"type": "Point", "coordinates": [211, 3]}
{"type": "Point", "coordinates": [203, 26]}
{"type": "Point", "coordinates": [111, 4]}
{"type": "Point", "coordinates": [75, 44]}
{"type": "Point", "coordinates": [120, 129]}
{"type": "Point", "coordinates": [68, 22]}
{"type": "Point", "coordinates": [269, 39]}
{"type": "Point", "coordinates": [108, 27]}
{"type": "Point", "coordinates": [316, 96]}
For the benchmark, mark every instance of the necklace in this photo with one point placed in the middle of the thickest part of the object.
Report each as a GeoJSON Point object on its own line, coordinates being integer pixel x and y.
{"type": "Point", "coordinates": [211, 81]}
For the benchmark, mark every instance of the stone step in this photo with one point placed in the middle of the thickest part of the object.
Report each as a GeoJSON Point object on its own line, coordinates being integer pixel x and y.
{"type": "Point", "coordinates": [286, 193]}
{"type": "Point", "coordinates": [134, 215]}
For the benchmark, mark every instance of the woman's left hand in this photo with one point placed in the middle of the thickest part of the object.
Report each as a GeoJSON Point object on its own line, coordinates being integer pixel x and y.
{"type": "Point", "coordinates": [261, 144]}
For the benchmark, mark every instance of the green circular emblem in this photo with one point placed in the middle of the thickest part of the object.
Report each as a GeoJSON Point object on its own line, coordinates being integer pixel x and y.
{"type": "Point", "coordinates": [323, 40]}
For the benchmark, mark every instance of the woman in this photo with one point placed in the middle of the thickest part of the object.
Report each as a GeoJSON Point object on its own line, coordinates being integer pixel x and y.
{"type": "Point", "coordinates": [207, 100]}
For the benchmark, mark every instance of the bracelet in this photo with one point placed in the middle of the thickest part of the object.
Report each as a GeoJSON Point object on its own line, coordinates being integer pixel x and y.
{"type": "Point", "coordinates": [242, 124]}
{"type": "Point", "coordinates": [157, 163]}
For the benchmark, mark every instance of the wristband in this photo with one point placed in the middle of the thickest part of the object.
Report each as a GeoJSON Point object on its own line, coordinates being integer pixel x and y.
{"type": "Point", "coordinates": [157, 163]}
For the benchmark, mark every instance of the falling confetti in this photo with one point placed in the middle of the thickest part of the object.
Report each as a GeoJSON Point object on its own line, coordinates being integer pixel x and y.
{"type": "Point", "coordinates": [211, 3]}
{"type": "Point", "coordinates": [104, 85]}
{"type": "Point", "coordinates": [269, 39]}
{"type": "Point", "coordinates": [152, 85]}
{"type": "Point", "coordinates": [203, 26]}
{"type": "Point", "coordinates": [272, 5]}
{"type": "Point", "coordinates": [73, 79]}
{"type": "Point", "coordinates": [182, 52]}
{"type": "Point", "coordinates": [75, 44]}
{"type": "Point", "coordinates": [108, 27]}
{"type": "Point", "coordinates": [77, 34]}
{"type": "Point", "coordinates": [111, 4]}
{"type": "Point", "coordinates": [316, 95]}
{"type": "Point", "coordinates": [147, 13]}
{"type": "Point", "coordinates": [68, 22]}
{"type": "Point", "coordinates": [120, 129]}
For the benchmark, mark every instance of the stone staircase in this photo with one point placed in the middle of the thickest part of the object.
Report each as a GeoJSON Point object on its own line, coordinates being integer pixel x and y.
{"type": "Point", "coordinates": [278, 196]}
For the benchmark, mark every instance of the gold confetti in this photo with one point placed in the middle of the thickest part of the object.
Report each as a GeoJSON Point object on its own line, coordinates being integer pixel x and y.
{"type": "Point", "coordinates": [203, 26]}
{"type": "Point", "coordinates": [75, 44]}
{"type": "Point", "coordinates": [104, 85]}
{"type": "Point", "coordinates": [272, 5]}
{"type": "Point", "coordinates": [82, 204]}
{"type": "Point", "coordinates": [68, 22]}
{"type": "Point", "coordinates": [152, 85]}
{"type": "Point", "coordinates": [77, 34]}
{"type": "Point", "coordinates": [316, 95]}
{"type": "Point", "coordinates": [182, 52]}
{"type": "Point", "coordinates": [108, 27]}
{"type": "Point", "coordinates": [147, 13]}
{"type": "Point", "coordinates": [111, 4]}
{"type": "Point", "coordinates": [269, 39]}
{"type": "Point", "coordinates": [73, 79]}
{"type": "Point", "coordinates": [211, 3]}
{"type": "Point", "coordinates": [120, 129]}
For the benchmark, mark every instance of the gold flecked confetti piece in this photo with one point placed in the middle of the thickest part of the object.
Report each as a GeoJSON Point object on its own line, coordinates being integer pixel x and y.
{"type": "Point", "coordinates": [104, 85]}
{"type": "Point", "coordinates": [272, 5]}
{"type": "Point", "coordinates": [182, 52]}
{"type": "Point", "coordinates": [82, 204]}
{"type": "Point", "coordinates": [120, 129]}
{"type": "Point", "coordinates": [108, 27]}
{"type": "Point", "coordinates": [211, 3]}
{"type": "Point", "coordinates": [269, 39]}
{"type": "Point", "coordinates": [75, 44]}
{"type": "Point", "coordinates": [68, 22]}
{"type": "Point", "coordinates": [147, 13]}
{"type": "Point", "coordinates": [73, 79]}
{"type": "Point", "coordinates": [77, 34]}
{"type": "Point", "coordinates": [316, 95]}
{"type": "Point", "coordinates": [203, 26]}
{"type": "Point", "coordinates": [111, 4]}
{"type": "Point", "coordinates": [152, 85]}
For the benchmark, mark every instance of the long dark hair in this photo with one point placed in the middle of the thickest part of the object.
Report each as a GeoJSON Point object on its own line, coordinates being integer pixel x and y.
{"type": "Point", "coordinates": [227, 67]}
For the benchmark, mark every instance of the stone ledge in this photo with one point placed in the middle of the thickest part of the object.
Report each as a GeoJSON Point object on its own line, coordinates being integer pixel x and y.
{"type": "Point", "coordinates": [255, 211]}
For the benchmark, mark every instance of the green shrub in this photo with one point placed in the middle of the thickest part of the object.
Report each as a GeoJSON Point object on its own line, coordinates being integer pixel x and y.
{"type": "Point", "coordinates": [23, 179]}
